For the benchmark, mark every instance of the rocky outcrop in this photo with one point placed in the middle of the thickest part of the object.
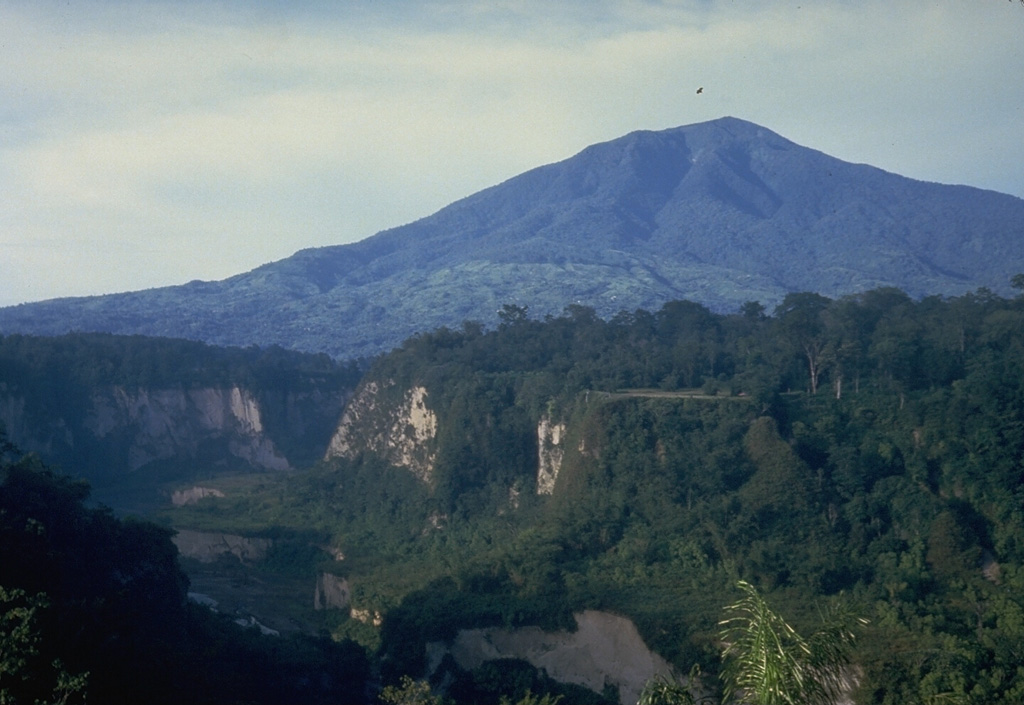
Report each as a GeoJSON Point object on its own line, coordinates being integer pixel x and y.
{"type": "Point", "coordinates": [162, 424]}
{"type": "Point", "coordinates": [331, 592]}
{"type": "Point", "coordinates": [990, 567]}
{"type": "Point", "coordinates": [605, 650]}
{"type": "Point", "coordinates": [403, 434]}
{"type": "Point", "coordinates": [371, 617]}
{"type": "Point", "coordinates": [106, 432]}
{"type": "Point", "coordinates": [192, 495]}
{"type": "Point", "coordinates": [550, 453]}
{"type": "Point", "coordinates": [207, 547]}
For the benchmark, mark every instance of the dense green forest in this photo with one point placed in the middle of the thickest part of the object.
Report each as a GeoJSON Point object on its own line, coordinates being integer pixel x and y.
{"type": "Point", "coordinates": [867, 450]}
{"type": "Point", "coordinates": [95, 359]}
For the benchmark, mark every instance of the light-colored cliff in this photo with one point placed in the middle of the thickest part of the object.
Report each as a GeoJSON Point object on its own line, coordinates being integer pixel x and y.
{"type": "Point", "coordinates": [111, 431]}
{"type": "Point", "coordinates": [161, 424]}
{"type": "Point", "coordinates": [402, 434]}
{"type": "Point", "coordinates": [606, 649]}
{"type": "Point", "coordinates": [182, 498]}
{"type": "Point", "coordinates": [550, 452]}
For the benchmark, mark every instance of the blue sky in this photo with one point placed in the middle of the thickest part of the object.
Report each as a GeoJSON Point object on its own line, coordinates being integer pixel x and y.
{"type": "Point", "coordinates": [145, 144]}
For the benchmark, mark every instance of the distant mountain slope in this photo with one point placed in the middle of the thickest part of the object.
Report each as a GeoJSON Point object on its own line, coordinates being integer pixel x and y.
{"type": "Point", "coordinates": [719, 213]}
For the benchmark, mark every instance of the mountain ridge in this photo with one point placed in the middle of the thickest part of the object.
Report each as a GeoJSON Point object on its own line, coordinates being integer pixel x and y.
{"type": "Point", "coordinates": [720, 213]}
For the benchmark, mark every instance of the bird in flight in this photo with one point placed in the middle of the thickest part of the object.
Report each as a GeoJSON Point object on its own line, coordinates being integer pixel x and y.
{"type": "Point", "coordinates": [700, 90]}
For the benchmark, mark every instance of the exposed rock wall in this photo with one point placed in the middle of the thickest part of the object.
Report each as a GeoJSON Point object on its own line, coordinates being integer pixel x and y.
{"type": "Point", "coordinates": [167, 423]}
{"type": "Point", "coordinates": [402, 434]}
{"type": "Point", "coordinates": [550, 452]}
{"type": "Point", "coordinates": [331, 592]}
{"type": "Point", "coordinates": [192, 495]}
{"type": "Point", "coordinates": [606, 649]}
{"type": "Point", "coordinates": [367, 616]}
{"type": "Point", "coordinates": [207, 547]}
{"type": "Point", "coordinates": [108, 432]}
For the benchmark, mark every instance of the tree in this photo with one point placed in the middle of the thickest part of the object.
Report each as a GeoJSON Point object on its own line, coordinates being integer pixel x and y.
{"type": "Point", "coordinates": [767, 663]}
{"type": "Point", "coordinates": [410, 692]}
{"type": "Point", "coordinates": [662, 691]}
{"type": "Point", "coordinates": [22, 677]}
{"type": "Point", "coordinates": [531, 699]}
{"type": "Point", "coordinates": [512, 315]}
{"type": "Point", "coordinates": [665, 691]}
{"type": "Point", "coordinates": [800, 316]}
{"type": "Point", "coordinates": [753, 310]}
{"type": "Point", "coordinates": [7, 449]}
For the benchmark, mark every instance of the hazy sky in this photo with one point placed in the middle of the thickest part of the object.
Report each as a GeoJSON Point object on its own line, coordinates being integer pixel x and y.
{"type": "Point", "coordinates": [151, 143]}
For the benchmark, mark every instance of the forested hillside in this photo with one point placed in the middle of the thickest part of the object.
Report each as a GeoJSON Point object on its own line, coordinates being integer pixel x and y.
{"type": "Point", "coordinates": [867, 449]}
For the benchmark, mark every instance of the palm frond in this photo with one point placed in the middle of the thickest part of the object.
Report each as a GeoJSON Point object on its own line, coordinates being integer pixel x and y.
{"type": "Point", "coordinates": [767, 663]}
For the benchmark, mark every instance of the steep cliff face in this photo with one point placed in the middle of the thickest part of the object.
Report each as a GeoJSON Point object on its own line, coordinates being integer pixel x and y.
{"type": "Point", "coordinates": [109, 408]}
{"type": "Point", "coordinates": [468, 443]}
{"type": "Point", "coordinates": [331, 592]}
{"type": "Point", "coordinates": [550, 453]}
{"type": "Point", "coordinates": [401, 433]}
{"type": "Point", "coordinates": [108, 433]}
{"type": "Point", "coordinates": [183, 498]}
{"type": "Point", "coordinates": [172, 423]}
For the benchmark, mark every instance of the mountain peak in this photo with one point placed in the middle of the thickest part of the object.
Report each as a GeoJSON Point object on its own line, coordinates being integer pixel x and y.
{"type": "Point", "coordinates": [729, 129]}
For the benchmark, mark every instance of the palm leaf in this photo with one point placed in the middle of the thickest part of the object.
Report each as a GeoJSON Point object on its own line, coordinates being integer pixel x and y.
{"type": "Point", "coordinates": [767, 663]}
